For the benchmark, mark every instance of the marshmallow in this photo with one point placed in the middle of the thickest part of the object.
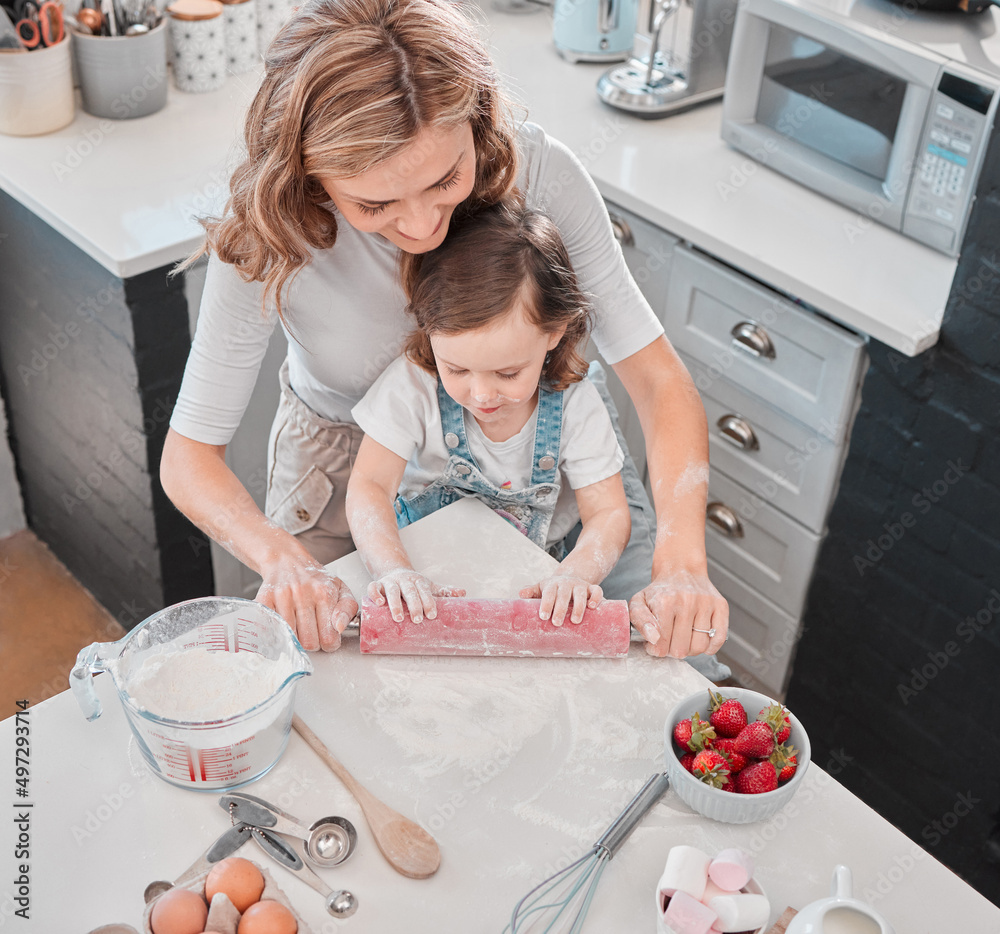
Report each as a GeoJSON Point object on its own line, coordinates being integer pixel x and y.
{"type": "Point", "coordinates": [686, 871]}
{"type": "Point", "coordinates": [711, 890]}
{"type": "Point", "coordinates": [731, 869]}
{"type": "Point", "coordinates": [740, 912]}
{"type": "Point", "coordinates": [687, 915]}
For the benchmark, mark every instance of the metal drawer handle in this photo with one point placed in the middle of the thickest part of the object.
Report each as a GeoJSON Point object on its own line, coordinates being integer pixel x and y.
{"type": "Point", "coordinates": [622, 231]}
{"type": "Point", "coordinates": [738, 431]}
{"type": "Point", "coordinates": [754, 339]}
{"type": "Point", "coordinates": [724, 519]}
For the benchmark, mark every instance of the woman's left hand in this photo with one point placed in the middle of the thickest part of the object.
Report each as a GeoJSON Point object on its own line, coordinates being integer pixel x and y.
{"type": "Point", "coordinates": [681, 614]}
{"type": "Point", "coordinates": [558, 593]}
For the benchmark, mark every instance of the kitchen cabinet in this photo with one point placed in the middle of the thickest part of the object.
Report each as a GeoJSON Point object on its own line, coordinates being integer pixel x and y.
{"type": "Point", "coordinates": [780, 384]}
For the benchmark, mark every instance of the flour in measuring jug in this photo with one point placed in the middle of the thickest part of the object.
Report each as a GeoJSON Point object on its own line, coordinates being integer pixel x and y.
{"type": "Point", "coordinates": [195, 684]}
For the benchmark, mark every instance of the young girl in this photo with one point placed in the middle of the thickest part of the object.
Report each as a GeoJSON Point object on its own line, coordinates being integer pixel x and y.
{"type": "Point", "coordinates": [491, 400]}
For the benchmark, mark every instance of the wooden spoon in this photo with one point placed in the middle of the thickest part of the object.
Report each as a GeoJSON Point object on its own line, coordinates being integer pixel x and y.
{"type": "Point", "coordinates": [410, 850]}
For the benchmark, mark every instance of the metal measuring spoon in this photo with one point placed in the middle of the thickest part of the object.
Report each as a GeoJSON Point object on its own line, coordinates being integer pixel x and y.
{"type": "Point", "coordinates": [341, 904]}
{"type": "Point", "coordinates": [328, 841]}
{"type": "Point", "coordinates": [225, 846]}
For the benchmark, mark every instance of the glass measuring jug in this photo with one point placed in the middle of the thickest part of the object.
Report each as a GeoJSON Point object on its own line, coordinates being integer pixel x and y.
{"type": "Point", "coordinates": [214, 752]}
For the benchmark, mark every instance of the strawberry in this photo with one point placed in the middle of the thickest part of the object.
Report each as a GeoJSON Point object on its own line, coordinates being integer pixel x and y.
{"type": "Point", "coordinates": [711, 767]}
{"type": "Point", "coordinates": [687, 760]}
{"type": "Point", "coordinates": [784, 761]}
{"type": "Point", "coordinates": [694, 735]}
{"type": "Point", "coordinates": [737, 761]}
{"type": "Point", "coordinates": [730, 785]}
{"type": "Point", "coordinates": [757, 779]}
{"type": "Point", "coordinates": [777, 716]}
{"type": "Point", "coordinates": [756, 740]}
{"type": "Point", "coordinates": [728, 716]}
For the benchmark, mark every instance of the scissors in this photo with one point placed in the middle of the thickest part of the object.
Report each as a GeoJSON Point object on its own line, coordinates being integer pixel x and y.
{"type": "Point", "coordinates": [39, 23]}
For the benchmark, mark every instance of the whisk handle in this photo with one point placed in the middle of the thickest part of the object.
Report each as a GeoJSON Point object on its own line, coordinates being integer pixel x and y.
{"type": "Point", "coordinates": [634, 812]}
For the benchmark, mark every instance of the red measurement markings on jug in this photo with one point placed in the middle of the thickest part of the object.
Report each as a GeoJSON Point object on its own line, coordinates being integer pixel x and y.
{"type": "Point", "coordinates": [246, 638]}
{"type": "Point", "coordinates": [211, 636]}
{"type": "Point", "coordinates": [177, 758]}
{"type": "Point", "coordinates": [220, 764]}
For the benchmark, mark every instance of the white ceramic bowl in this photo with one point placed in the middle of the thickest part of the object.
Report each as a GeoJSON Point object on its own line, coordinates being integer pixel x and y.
{"type": "Point", "coordinates": [725, 805]}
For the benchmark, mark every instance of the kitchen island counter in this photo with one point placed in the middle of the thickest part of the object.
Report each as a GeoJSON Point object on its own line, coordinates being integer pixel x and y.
{"type": "Point", "coordinates": [516, 766]}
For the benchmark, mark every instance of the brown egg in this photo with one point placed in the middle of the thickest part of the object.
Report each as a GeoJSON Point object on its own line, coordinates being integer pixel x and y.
{"type": "Point", "coordinates": [238, 878]}
{"type": "Point", "coordinates": [267, 917]}
{"type": "Point", "coordinates": [179, 911]}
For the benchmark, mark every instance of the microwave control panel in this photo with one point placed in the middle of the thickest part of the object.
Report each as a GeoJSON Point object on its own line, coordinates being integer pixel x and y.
{"type": "Point", "coordinates": [948, 159]}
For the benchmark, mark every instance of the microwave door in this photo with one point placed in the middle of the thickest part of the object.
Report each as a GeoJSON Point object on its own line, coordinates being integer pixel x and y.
{"type": "Point", "coordinates": [831, 109]}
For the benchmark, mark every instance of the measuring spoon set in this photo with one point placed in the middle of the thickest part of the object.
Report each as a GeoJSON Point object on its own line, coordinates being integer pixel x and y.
{"type": "Point", "coordinates": [325, 843]}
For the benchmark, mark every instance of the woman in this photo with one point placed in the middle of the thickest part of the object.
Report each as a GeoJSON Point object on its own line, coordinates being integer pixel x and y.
{"type": "Point", "coordinates": [378, 121]}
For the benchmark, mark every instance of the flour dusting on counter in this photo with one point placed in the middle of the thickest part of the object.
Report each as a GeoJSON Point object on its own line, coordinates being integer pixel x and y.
{"type": "Point", "coordinates": [195, 684]}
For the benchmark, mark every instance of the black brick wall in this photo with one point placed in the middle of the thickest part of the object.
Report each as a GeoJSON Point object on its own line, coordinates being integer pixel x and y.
{"type": "Point", "coordinates": [90, 366]}
{"type": "Point", "coordinates": [899, 661]}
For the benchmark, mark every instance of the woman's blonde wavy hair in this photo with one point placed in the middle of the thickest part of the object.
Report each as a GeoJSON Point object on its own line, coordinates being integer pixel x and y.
{"type": "Point", "coordinates": [349, 84]}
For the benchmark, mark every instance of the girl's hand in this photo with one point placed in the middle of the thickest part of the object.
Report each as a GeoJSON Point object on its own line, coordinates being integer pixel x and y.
{"type": "Point", "coordinates": [676, 613]}
{"type": "Point", "coordinates": [409, 585]}
{"type": "Point", "coordinates": [315, 604]}
{"type": "Point", "coordinates": [558, 592]}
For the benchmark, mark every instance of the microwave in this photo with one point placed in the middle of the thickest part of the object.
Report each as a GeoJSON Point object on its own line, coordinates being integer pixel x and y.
{"type": "Point", "coordinates": [834, 97]}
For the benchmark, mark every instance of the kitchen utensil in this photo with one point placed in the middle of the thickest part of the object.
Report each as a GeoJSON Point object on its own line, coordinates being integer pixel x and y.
{"type": "Point", "coordinates": [723, 805]}
{"type": "Point", "coordinates": [564, 898]}
{"type": "Point", "coordinates": [90, 19]}
{"type": "Point", "coordinates": [841, 913]}
{"type": "Point", "coordinates": [208, 754]}
{"type": "Point", "coordinates": [328, 841]}
{"type": "Point", "coordinates": [39, 24]}
{"type": "Point", "coordinates": [226, 845]}
{"type": "Point", "coordinates": [663, 77]}
{"type": "Point", "coordinates": [284, 853]}
{"type": "Point", "coordinates": [472, 626]}
{"type": "Point", "coordinates": [109, 16]}
{"type": "Point", "coordinates": [593, 30]}
{"type": "Point", "coordinates": [410, 850]}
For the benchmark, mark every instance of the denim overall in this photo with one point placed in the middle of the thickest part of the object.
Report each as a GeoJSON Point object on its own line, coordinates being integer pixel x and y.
{"type": "Point", "coordinates": [529, 510]}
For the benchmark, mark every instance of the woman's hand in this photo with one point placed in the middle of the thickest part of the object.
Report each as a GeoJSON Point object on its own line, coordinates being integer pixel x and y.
{"type": "Point", "coordinates": [559, 592]}
{"type": "Point", "coordinates": [405, 584]}
{"type": "Point", "coordinates": [677, 612]}
{"type": "Point", "coordinates": [315, 604]}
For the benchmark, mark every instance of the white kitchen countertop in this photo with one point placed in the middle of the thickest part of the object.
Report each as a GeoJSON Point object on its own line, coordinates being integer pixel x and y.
{"type": "Point", "coordinates": [127, 192]}
{"type": "Point", "coordinates": [515, 765]}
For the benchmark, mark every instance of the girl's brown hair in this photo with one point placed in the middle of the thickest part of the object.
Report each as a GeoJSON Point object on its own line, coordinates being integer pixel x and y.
{"type": "Point", "coordinates": [349, 84]}
{"type": "Point", "coordinates": [503, 253]}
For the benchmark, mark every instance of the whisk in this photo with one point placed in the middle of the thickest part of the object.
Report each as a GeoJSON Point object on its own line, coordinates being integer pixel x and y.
{"type": "Point", "coordinates": [564, 898]}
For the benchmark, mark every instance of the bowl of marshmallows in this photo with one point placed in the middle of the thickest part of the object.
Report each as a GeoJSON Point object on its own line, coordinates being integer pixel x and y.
{"type": "Point", "coordinates": [701, 894]}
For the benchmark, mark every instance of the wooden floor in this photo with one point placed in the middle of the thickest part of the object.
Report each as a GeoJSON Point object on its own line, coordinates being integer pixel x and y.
{"type": "Point", "coordinates": [46, 617]}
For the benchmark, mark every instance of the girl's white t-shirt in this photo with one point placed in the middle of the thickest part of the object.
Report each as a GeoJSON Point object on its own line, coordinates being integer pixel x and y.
{"type": "Point", "coordinates": [346, 310]}
{"type": "Point", "coordinates": [401, 413]}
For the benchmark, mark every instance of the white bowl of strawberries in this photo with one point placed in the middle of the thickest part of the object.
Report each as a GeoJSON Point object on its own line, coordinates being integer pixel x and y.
{"type": "Point", "coordinates": [735, 755]}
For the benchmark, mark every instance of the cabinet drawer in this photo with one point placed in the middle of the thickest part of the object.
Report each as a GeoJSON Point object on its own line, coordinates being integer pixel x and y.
{"type": "Point", "coordinates": [793, 468]}
{"type": "Point", "coordinates": [762, 637]}
{"type": "Point", "coordinates": [763, 547]}
{"type": "Point", "coordinates": [793, 359]}
{"type": "Point", "coordinates": [648, 253]}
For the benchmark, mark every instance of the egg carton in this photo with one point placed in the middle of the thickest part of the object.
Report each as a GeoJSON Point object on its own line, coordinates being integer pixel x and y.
{"type": "Point", "coordinates": [271, 890]}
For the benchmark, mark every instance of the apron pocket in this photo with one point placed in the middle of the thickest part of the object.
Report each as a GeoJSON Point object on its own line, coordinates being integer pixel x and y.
{"type": "Point", "coordinates": [302, 507]}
